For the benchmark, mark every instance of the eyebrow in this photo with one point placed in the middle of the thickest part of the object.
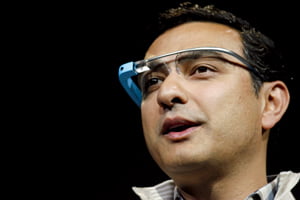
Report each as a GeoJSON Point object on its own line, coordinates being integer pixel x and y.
{"type": "Point", "coordinates": [181, 55]}
{"type": "Point", "coordinates": [154, 62]}
{"type": "Point", "coordinates": [198, 54]}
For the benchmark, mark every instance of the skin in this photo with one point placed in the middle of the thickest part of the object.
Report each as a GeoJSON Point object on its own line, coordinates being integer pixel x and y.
{"type": "Point", "coordinates": [224, 155]}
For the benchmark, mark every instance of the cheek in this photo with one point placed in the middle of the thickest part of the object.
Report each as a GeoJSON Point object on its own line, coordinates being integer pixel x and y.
{"type": "Point", "coordinates": [228, 100]}
{"type": "Point", "coordinates": [149, 116]}
{"type": "Point", "coordinates": [150, 120]}
{"type": "Point", "coordinates": [227, 95]}
{"type": "Point", "coordinates": [233, 110]}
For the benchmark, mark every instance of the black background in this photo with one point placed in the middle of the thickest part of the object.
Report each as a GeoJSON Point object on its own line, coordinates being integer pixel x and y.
{"type": "Point", "coordinates": [90, 143]}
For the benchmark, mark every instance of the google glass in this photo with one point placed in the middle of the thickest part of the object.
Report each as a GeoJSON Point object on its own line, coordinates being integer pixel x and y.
{"type": "Point", "coordinates": [128, 72]}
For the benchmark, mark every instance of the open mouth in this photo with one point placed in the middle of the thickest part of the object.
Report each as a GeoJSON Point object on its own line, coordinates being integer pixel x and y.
{"type": "Point", "coordinates": [178, 126]}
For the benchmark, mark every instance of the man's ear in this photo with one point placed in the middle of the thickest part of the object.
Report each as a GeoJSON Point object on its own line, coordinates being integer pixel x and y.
{"type": "Point", "coordinates": [277, 98]}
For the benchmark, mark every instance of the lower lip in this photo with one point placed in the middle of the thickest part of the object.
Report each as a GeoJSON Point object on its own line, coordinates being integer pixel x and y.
{"type": "Point", "coordinates": [182, 135]}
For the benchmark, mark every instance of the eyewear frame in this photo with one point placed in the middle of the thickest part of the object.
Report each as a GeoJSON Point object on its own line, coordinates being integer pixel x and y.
{"type": "Point", "coordinates": [130, 69]}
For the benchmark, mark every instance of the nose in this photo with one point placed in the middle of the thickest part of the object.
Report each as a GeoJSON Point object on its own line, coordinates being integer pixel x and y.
{"type": "Point", "coordinates": [172, 91]}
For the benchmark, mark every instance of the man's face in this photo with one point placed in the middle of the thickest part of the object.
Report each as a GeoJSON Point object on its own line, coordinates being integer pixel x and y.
{"type": "Point", "coordinates": [191, 124]}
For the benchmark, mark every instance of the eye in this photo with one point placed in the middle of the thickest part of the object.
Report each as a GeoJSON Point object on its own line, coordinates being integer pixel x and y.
{"type": "Point", "coordinates": [151, 83]}
{"type": "Point", "coordinates": [203, 70]}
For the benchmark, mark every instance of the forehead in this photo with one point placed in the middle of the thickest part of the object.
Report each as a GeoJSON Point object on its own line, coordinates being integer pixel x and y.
{"type": "Point", "coordinates": [196, 34]}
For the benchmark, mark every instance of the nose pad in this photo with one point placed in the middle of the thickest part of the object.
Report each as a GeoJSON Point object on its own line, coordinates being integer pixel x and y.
{"type": "Point", "coordinates": [166, 69]}
{"type": "Point", "coordinates": [177, 69]}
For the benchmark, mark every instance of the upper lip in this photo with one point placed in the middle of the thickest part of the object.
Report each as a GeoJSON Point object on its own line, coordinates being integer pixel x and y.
{"type": "Point", "coordinates": [177, 124]}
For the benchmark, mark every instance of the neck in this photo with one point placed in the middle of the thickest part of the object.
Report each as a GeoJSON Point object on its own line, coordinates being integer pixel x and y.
{"type": "Point", "coordinates": [219, 184]}
{"type": "Point", "coordinates": [227, 188]}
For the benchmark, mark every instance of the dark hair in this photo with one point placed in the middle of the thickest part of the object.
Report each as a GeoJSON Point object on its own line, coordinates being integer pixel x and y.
{"type": "Point", "coordinates": [258, 49]}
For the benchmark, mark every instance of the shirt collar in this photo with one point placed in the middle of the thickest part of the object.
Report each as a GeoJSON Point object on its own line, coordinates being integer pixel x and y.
{"type": "Point", "coordinates": [162, 191]}
{"type": "Point", "coordinates": [278, 188]}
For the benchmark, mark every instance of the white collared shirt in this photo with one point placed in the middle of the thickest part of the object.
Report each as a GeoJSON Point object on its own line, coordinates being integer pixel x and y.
{"type": "Point", "coordinates": [279, 188]}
